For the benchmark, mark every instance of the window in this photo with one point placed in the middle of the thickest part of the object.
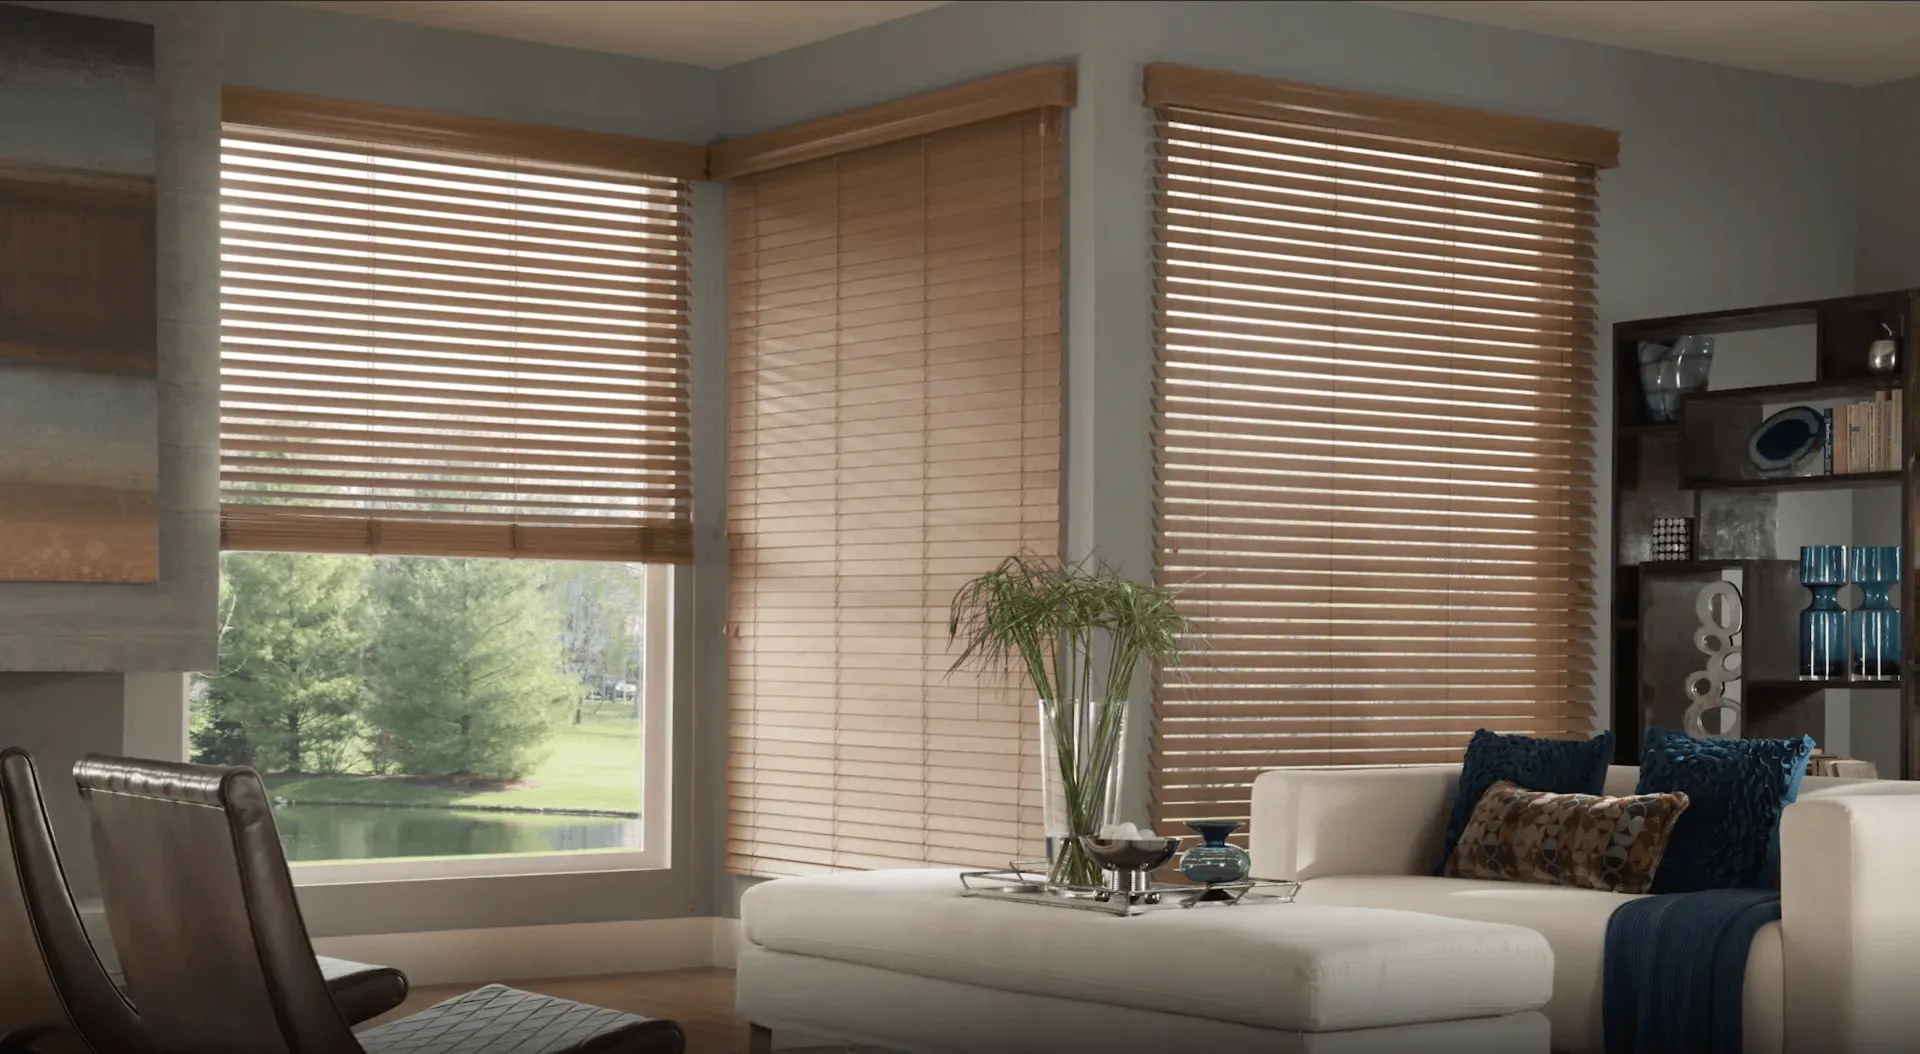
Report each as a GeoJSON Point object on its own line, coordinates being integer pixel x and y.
{"type": "Point", "coordinates": [453, 480]}
{"type": "Point", "coordinates": [1373, 430]}
{"type": "Point", "coordinates": [435, 709]}
{"type": "Point", "coordinates": [895, 431]}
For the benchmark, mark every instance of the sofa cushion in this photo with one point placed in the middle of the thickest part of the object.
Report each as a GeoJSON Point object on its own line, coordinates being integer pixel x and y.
{"type": "Point", "coordinates": [1574, 923]}
{"type": "Point", "coordinates": [1292, 967]}
{"type": "Point", "coordinates": [1730, 835]}
{"type": "Point", "coordinates": [1562, 766]}
{"type": "Point", "coordinates": [1584, 840]}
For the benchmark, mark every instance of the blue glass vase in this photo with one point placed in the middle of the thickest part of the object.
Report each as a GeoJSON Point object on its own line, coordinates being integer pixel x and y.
{"type": "Point", "coordinates": [1823, 625]}
{"type": "Point", "coordinates": [1874, 626]}
{"type": "Point", "coordinates": [1213, 860]}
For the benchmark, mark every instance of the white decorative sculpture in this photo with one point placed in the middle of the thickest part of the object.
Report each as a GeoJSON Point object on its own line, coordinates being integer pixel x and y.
{"type": "Point", "coordinates": [1721, 615]}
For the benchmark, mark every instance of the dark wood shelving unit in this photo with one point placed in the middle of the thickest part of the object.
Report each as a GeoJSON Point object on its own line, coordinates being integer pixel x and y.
{"type": "Point", "coordinates": [1697, 467]}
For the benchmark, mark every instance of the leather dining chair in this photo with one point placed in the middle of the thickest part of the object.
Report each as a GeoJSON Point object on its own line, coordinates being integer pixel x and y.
{"type": "Point", "coordinates": [216, 952]}
{"type": "Point", "coordinates": [47, 956]}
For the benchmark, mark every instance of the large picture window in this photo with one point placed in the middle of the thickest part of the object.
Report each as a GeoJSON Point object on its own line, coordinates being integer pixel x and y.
{"type": "Point", "coordinates": [1373, 430]}
{"type": "Point", "coordinates": [454, 476]}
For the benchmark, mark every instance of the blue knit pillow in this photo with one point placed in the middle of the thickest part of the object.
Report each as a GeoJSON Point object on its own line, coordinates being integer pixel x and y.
{"type": "Point", "coordinates": [1729, 837]}
{"type": "Point", "coordinates": [1563, 766]}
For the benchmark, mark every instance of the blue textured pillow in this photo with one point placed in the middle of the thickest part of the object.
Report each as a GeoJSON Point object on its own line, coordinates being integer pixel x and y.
{"type": "Point", "coordinates": [1563, 766]}
{"type": "Point", "coordinates": [1729, 837]}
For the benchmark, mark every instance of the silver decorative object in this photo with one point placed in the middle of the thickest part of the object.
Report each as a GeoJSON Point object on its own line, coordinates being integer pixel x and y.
{"type": "Point", "coordinates": [1129, 862]}
{"type": "Point", "coordinates": [1026, 883]}
{"type": "Point", "coordinates": [1672, 538]}
{"type": "Point", "coordinates": [1883, 355]}
{"type": "Point", "coordinates": [1721, 615]}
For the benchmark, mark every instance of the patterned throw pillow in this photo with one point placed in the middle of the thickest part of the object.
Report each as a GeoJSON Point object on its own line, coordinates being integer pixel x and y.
{"type": "Point", "coordinates": [1585, 840]}
{"type": "Point", "coordinates": [1570, 766]}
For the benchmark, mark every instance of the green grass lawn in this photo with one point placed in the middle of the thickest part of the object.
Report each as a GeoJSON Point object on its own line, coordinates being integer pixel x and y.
{"type": "Point", "coordinates": [595, 765]}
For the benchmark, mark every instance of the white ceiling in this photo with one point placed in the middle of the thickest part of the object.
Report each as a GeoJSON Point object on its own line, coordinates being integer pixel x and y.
{"type": "Point", "coordinates": [711, 33]}
{"type": "Point", "coordinates": [1857, 42]}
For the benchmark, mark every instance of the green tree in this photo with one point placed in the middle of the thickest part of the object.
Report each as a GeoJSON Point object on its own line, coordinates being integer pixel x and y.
{"type": "Point", "coordinates": [291, 683]}
{"type": "Point", "coordinates": [468, 676]}
{"type": "Point", "coordinates": [600, 607]}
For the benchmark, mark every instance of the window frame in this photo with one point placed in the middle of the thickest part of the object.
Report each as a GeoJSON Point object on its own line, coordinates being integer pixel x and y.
{"type": "Point", "coordinates": [655, 778]}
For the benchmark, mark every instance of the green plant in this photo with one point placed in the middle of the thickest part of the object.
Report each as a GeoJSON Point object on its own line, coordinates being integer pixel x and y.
{"type": "Point", "coordinates": [1079, 632]}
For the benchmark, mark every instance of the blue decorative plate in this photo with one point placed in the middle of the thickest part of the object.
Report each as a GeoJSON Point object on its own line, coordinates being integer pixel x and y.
{"type": "Point", "coordinates": [1784, 440]}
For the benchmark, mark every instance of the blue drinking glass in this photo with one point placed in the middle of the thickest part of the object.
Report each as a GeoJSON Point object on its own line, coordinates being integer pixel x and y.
{"type": "Point", "coordinates": [1874, 626]}
{"type": "Point", "coordinates": [1823, 625]}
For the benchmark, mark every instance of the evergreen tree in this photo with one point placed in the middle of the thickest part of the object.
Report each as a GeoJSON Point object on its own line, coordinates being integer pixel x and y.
{"type": "Point", "coordinates": [291, 683]}
{"type": "Point", "coordinates": [468, 667]}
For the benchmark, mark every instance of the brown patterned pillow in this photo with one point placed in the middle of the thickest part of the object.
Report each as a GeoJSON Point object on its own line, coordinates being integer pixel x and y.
{"type": "Point", "coordinates": [1518, 835]}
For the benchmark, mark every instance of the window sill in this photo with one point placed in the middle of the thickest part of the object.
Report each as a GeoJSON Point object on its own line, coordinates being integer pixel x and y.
{"type": "Point", "coordinates": [361, 872]}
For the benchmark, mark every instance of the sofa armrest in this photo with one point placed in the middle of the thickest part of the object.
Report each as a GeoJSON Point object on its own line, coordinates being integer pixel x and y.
{"type": "Point", "coordinates": [1850, 921]}
{"type": "Point", "coordinates": [1310, 823]}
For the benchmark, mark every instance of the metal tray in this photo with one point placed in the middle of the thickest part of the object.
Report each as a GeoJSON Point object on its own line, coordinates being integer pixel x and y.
{"type": "Point", "coordinates": [1025, 882]}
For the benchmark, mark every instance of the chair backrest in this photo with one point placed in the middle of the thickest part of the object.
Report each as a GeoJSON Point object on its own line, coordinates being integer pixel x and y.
{"type": "Point", "coordinates": [34, 1016]}
{"type": "Point", "coordinates": [202, 908]}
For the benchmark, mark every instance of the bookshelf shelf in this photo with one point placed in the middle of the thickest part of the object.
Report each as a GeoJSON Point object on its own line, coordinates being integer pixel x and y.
{"type": "Point", "coordinates": [1838, 481]}
{"type": "Point", "coordinates": [1811, 391]}
{"type": "Point", "coordinates": [1822, 685]}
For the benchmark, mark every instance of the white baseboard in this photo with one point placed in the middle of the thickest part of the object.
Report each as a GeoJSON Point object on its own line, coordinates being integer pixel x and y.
{"type": "Point", "coordinates": [728, 938]}
{"type": "Point", "coordinates": [523, 953]}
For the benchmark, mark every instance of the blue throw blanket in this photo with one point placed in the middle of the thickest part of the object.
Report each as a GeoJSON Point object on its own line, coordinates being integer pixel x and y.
{"type": "Point", "coordinates": [1674, 968]}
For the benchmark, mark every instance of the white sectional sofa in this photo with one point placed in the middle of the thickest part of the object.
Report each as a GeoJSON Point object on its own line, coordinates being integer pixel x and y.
{"type": "Point", "coordinates": [1839, 972]}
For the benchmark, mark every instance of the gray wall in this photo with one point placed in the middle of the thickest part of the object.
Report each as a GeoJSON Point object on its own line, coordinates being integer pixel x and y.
{"type": "Point", "coordinates": [168, 625]}
{"type": "Point", "coordinates": [61, 718]}
{"type": "Point", "coordinates": [296, 49]}
{"type": "Point", "coordinates": [1889, 212]}
{"type": "Point", "coordinates": [1734, 188]}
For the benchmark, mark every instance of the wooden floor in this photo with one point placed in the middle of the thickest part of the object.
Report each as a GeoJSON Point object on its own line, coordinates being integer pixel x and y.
{"type": "Point", "coordinates": [701, 1000]}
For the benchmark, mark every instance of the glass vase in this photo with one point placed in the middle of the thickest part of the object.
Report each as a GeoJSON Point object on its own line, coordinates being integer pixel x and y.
{"type": "Point", "coordinates": [1214, 861]}
{"type": "Point", "coordinates": [1823, 625]}
{"type": "Point", "coordinates": [1668, 371]}
{"type": "Point", "coordinates": [1874, 626]}
{"type": "Point", "coordinates": [1080, 744]}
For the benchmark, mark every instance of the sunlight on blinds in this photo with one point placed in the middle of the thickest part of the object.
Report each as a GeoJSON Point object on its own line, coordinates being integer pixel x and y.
{"type": "Point", "coordinates": [451, 355]}
{"type": "Point", "coordinates": [896, 431]}
{"type": "Point", "coordinates": [1374, 448]}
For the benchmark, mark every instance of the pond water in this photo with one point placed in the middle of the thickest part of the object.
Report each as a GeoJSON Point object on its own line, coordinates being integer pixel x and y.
{"type": "Point", "coordinates": [358, 832]}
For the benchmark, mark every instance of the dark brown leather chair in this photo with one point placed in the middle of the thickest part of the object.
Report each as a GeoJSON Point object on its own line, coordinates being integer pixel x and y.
{"type": "Point", "coordinates": [41, 935]}
{"type": "Point", "coordinates": [213, 945]}
{"type": "Point", "coordinates": [55, 997]}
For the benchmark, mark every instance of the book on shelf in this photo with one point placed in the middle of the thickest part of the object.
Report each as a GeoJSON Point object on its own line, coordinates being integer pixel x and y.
{"type": "Point", "coordinates": [1863, 436]}
{"type": "Point", "coordinates": [1841, 767]}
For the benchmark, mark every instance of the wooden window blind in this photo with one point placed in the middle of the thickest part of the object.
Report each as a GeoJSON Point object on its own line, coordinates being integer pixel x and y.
{"type": "Point", "coordinates": [1372, 428]}
{"type": "Point", "coordinates": [895, 363]}
{"type": "Point", "coordinates": [441, 353]}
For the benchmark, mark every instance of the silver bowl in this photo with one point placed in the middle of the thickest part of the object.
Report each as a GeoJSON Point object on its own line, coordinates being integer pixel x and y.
{"type": "Point", "coordinates": [1130, 854]}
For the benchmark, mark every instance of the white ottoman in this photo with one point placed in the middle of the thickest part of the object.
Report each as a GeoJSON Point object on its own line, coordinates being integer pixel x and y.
{"type": "Point", "coordinates": [900, 959]}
